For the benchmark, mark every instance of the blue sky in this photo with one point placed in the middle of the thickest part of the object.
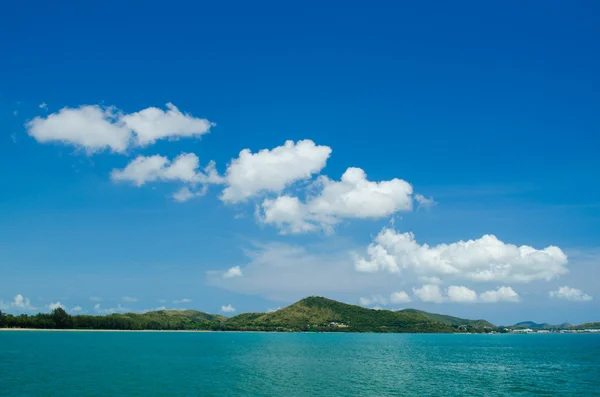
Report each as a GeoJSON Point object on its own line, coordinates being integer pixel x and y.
{"type": "Point", "coordinates": [490, 111]}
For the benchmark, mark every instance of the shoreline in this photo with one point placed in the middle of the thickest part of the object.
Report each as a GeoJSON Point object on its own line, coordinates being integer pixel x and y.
{"type": "Point", "coordinates": [271, 332]}
{"type": "Point", "coordinates": [211, 331]}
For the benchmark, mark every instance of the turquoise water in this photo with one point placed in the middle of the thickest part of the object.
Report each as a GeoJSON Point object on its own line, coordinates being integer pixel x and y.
{"type": "Point", "coordinates": [260, 364]}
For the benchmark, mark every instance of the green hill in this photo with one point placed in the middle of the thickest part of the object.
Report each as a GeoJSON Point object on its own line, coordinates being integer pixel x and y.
{"type": "Point", "coordinates": [594, 325]}
{"type": "Point", "coordinates": [534, 325]}
{"type": "Point", "coordinates": [161, 319]}
{"type": "Point", "coordinates": [321, 314]}
{"type": "Point", "coordinates": [455, 321]}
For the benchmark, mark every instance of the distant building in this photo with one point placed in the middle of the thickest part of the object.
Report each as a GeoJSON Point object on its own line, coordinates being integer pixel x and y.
{"type": "Point", "coordinates": [522, 331]}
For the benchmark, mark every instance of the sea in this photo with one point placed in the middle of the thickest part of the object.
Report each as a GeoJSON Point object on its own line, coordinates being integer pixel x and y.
{"type": "Point", "coordinates": [63, 364]}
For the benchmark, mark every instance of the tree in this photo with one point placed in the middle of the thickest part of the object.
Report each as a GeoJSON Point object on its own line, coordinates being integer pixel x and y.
{"type": "Point", "coordinates": [2, 319]}
{"type": "Point", "coordinates": [61, 318]}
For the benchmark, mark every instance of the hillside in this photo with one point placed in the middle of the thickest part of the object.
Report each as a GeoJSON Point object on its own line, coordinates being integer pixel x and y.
{"type": "Point", "coordinates": [161, 319]}
{"type": "Point", "coordinates": [321, 314]}
{"type": "Point", "coordinates": [450, 320]}
{"type": "Point", "coordinates": [594, 325]}
{"type": "Point", "coordinates": [534, 325]}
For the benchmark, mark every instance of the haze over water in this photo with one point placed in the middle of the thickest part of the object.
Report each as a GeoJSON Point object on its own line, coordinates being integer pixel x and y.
{"type": "Point", "coordinates": [296, 364]}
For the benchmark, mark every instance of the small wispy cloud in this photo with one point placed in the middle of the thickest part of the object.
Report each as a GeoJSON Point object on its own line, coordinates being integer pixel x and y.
{"type": "Point", "coordinates": [111, 310]}
{"type": "Point", "coordinates": [56, 305]}
{"type": "Point", "coordinates": [235, 271]}
{"type": "Point", "coordinates": [227, 309]}
{"type": "Point", "coordinates": [184, 300]}
{"type": "Point", "coordinates": [424, 202]}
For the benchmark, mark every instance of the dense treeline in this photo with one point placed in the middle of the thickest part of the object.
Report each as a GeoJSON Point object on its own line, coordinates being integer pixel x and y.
{"type": "Point", "coordinates": [58, 319]}
{"type": "Point", "coordinates": [161, 320]}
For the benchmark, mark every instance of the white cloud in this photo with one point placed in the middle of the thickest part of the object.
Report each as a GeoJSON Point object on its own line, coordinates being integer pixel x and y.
{"type": "Point", "coordinates": [96, 128]}
{"type": "Point", "coordinates": [185, 194]}
{"type": "Point", "coordinates": [395, 298]}
{"type": "Point", "coordinates": [184, 300]}
{"type": "Point", "coordinates": [96, 299]}
{"type": "Point", "coordinates": [19, 302]}
{"type": "Point", "coordinates": [271, 310]}
{"type": "Point", "coordinates": [288, 214]}
{"type": "Point", "coordinates": [227, 309]}
{"type": "Point", "coordinates": [91, 127]}
{"type": "Point", "coordinates": [429, 293]}
{"type": "Point", "coordinates": [373, 299]}
{"type": "Point", "coordinates": [424, 202]}
{"type": "Point", "coordinates": [400, 297]}
{"type": "Point", "coordinates": [572, 294]}
{"type": "Point", "coordinates": [502, 294]}
{"type": "Point", "coordinates": [152, 123]}
{"type": "Point", "coordinates": [111, 310]}
{"type": "Point", "coordinates": [183, 168]}
{"type": "Point", "coordinates": [13, 138]}
{"type": "Point", "coordinates": [15, 113]}
{"type": "Point", "coordinates": [234, 271]}
{"type": "Point", "coordinates": [354, 196]}
{"type": "Point", "coordinates": [272, 170]}
{"type": "Point", "coordinates": [43, 105]}
{"type": "Point", "coordinates": [483, 260]}
{"type": "Point", "coordinates": [461, 294]}
{"type": "Point", "coordinates": [56, 305]}
{"type": "Point", "coordinates": [129, 299]}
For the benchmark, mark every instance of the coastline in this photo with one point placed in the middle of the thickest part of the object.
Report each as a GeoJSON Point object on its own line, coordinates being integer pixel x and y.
{"type": "Point", "coordinates": [228, 331]}
{"type": "Point", "coordinates": [272, 332]}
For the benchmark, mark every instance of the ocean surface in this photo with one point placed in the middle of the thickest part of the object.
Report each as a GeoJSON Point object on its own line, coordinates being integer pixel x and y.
{"type": "Point", "coordinates": [266, 364]}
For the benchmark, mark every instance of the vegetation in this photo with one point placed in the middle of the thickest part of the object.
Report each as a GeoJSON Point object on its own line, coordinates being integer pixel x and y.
{"type": "Point", "coordinates": [455, 321]}
{"type": "Point", "coordinates": [326, 315]}
{"type": "Point", "coordinates": [313, 314]}
{"type": "Point", "coordinates": [538, 326]}
{"type": "Point", "coordinates": [157, 320]}
{"type": "Point", "coordinates": [594, 325]}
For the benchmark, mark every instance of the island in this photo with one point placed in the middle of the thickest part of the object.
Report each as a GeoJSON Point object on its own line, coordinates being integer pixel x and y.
{"type": "Point", "coordinates": [312, 314]}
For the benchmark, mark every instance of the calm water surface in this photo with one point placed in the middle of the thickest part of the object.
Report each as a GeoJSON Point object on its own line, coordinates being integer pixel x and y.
{"type": "Point", "coordinates": [259, 364]}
